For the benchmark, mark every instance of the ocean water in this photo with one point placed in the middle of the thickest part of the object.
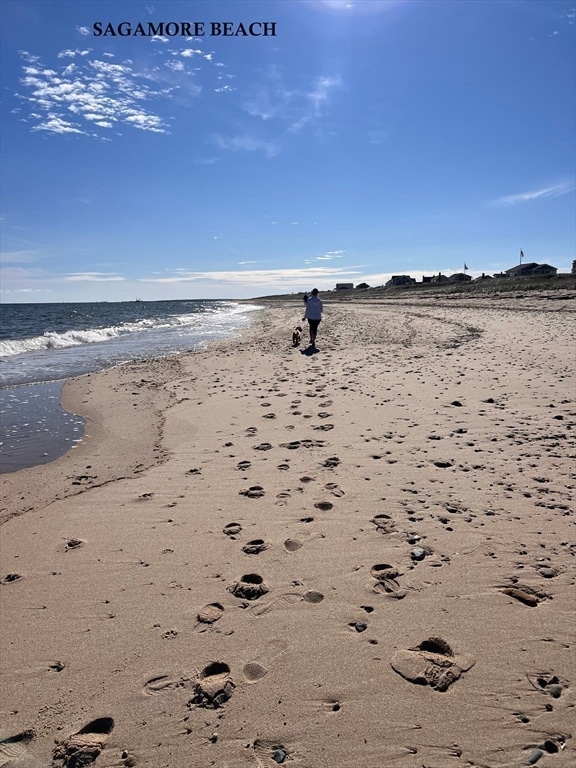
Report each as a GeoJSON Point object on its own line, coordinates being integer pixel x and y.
{"type": "Point", "coordinates": [41, 345]}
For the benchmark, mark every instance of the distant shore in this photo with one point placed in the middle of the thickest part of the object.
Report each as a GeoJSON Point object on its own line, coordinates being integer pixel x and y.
{"type": "Point", "coordinates": [261, 554]}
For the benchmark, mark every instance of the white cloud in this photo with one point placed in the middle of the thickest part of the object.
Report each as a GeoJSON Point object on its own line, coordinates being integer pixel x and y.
{"type": "Point", "coordinates": [17, 291]}
{"type": "Point", "coordinates": [72, 53]}
{"type": "Point", "coordinates": [18, 257]}
{"type": "Point", "coordinates": [93, 277]}
{"type": "Point", "coordinates": [328, 256]}
{"type": "Point", "coordinates": [247, 143]}
{"type": "Point", "coordinates": [94, 91]}
{"type": "Point", "coordinates": [83, 31]}
{"type": "Point", "coordinates": [175, 66]}
{"type": "Point", "coordinates": [258, 278]}
{"type": "Point", "coordinates": [525, 197]}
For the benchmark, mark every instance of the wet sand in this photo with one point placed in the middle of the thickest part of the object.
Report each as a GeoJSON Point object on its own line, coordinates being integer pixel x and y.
{"type": "Point", "coordinates": [261, 556]}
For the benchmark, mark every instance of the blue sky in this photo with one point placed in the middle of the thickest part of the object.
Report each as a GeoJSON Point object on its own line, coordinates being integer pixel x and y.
{"type": "Point", "coordinates": [366, 138]}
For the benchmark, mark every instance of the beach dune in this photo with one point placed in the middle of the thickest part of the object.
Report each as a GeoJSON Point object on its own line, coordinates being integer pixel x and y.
{"type": "Point", "coordinates": [260, 555]}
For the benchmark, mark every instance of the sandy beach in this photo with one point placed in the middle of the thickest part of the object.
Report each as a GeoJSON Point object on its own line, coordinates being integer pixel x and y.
{"type": "Point", "coordinates": [362, 557]}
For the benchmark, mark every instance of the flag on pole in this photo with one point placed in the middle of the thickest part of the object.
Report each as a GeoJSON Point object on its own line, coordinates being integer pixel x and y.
{"type": "Point", "coordinates": [465, 267]}
{"type": "Point", "coordinates": [521, 255]}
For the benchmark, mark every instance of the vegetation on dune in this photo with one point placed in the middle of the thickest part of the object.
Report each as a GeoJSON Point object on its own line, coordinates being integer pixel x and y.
{"type": "Point", "coordinates": [497, 287]}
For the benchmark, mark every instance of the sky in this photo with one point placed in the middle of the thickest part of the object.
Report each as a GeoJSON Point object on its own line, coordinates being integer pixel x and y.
{"type": "Point", "coordinates": [316, 142]}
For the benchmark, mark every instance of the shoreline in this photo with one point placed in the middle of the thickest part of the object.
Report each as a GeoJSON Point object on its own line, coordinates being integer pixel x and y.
{"type": "Point", "coordinates": [31, 419]}
{"type": "Point", "coordinates": [375, 534]}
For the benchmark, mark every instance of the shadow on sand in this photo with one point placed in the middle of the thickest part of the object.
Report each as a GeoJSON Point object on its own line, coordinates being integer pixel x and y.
{"type": "Point", "coordinates": [309, 350]}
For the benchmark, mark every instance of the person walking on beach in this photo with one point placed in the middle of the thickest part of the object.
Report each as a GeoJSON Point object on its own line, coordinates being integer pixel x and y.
{"type": "Point", "coordinates": [313, 314]}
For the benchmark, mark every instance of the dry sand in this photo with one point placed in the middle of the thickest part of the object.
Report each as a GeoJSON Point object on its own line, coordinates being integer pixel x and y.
{"type": "Point", "coordinates": [256, 557]}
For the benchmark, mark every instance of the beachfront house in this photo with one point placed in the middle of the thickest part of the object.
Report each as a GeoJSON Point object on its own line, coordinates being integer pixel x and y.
{"type": "Point", "coordinates": [532, 270]}
{"type": "Point", "coordinates": [440, 278]}
{"type": "Point", "coordinates": [344, 286]}
{"type": "Point", "coordinates": [459, 277]}
{"type": "Point", "coordinates": [400, 280]}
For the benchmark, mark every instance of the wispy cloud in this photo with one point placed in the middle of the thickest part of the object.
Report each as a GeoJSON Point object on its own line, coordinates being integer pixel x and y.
{"type": "Point", "coordinates": [290, 108]}
{"type": "Point", "coordinates": [555, 190]}
{"type": "Point", "coordinates": [377, 137]}
{"type": "Point", "coordinates": [259, 278]}
{"type": "Point", "coordinates": [247, 143]}
{"type": "Point", "coordinates": [279, 111]}
{"type": "Point", "coordinates": [328, 256]}
{"type": "Point", "coordinates": [93, 277]}
{"type": "Point", "coordinates": [19, 257]}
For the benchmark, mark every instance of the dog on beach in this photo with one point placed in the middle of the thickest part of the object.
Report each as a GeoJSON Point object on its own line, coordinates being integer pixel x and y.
{"type": "Point", "coordinates": [297, 336]}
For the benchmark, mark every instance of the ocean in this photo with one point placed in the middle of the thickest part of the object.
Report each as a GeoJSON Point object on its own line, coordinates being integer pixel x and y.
{"type": "Point", "coordinates": [42, 345]}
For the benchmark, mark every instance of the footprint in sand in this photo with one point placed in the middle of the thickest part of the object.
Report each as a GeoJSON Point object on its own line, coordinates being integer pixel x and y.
{"type": "Point", "coordinates": [254, 492]}
{"type": "Point", "coordinates": [384, 523]}
{"type": "Point", "coordinates": [40, 668]}
{"type": "Point", "coordinates": [250, 587]}
{"type": "Point", "coordinates": [73, 543]}
{"type": "Point", "coordinates": [242, 465]}
{"type": "Point", "coordinates": [253, 671]}
{"type": "Point", "coordinates": [10, 578]}
{"type": "Point", "coordinates": [232, 529]}
{"type": "Point", "coordinates": [84, 746]}
{"type": "Point", "coordinates": [255, 546]}
{"type": "Point", "coordinates": [269, 753]}
{"type": "Point", "coordinates": [334, 489]}
{"type": "Point", "coordinates": [291, 446]}
{"type": "Point", "coordinates": [282, 499]}
{"type": "Point", "coordinates": [251, 431]}
{"type": "Point", "coordinates": [283, 466]}
{"type": "Point", "coordinates": [258, 668]}
{"type": "Point", "coordinates": [289, 598]}
{"type": "Point", "coordinates": [387, 580]}
{"type": "Point", "coordinates": [306, 443]}
{"type": "Point", "coordinates": [324, 427]}
{"type": "Point", "coordinates": [160, 684]}
{"type": "Point", "coordinates": [209, 614]}
{"type": "Point", "coordinates": [263, 447]}
{"type": "Point", "coordinates": [324, 506]}
{"type": "Point", "coordinates": [269, 416]}
{"type": "Point", "coordinates": [313, 597]}
{"type": "Point", "coordinates": [213, 687]}
{"type": "Point", "coordinates": [331, 462]}
{"type": "Point", "coordinates": [431, 663]}
{"type": "Point", "coordinates": [291, 545]}
{"type": "Point", "coordinates": [14, 750]}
